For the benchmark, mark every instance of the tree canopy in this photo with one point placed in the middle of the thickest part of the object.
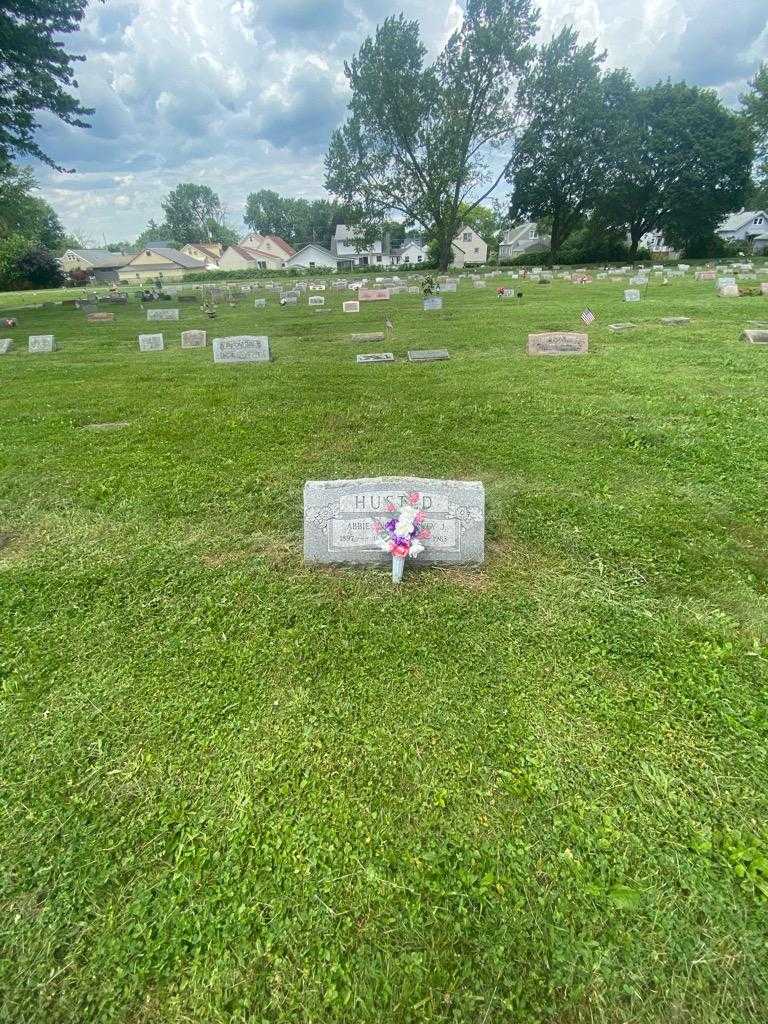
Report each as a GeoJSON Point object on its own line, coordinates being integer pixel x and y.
{"type": "Point", "coordinates": [298, 221]}
{"type": "Point", "coordinates": [36, 72]}
{"type": "Point", "coordinates": [559, 164]}
{"type": "Point", "coordinates": [194, 213]}
{"type": "Point", "coordinates": [419, 137]}
{"type": "Point", "coordinates": [755, 104]}
{"type": "Point", "coordinates": [24, 214]}
{"type": "Point", "coordinates": [682, 164]}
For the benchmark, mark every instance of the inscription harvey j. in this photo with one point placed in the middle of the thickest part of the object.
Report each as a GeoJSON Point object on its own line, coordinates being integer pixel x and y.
{"type": "Point", "coordinates": [339, 515]}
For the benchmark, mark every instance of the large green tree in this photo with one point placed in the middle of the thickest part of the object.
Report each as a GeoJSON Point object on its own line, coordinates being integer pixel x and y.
{"type": "Point", "coordinates": [194, 213]}
{"type": "Point", "coordinates": [24, 214]}
{"type": "Point", "coordinates": [36, 72]}
{"type": "Point", "coordinates": [755, 103]}
{"type": "Point", "coordinates": [560, 161]}
{"type": "Point", "coordinates": [681, 164]}
{"type": "Point", "coordinates": [419, 137]}
{"type": "Point", "coordinates": [298, 221]}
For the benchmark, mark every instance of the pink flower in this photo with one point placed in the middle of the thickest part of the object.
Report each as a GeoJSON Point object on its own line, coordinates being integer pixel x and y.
{"type": "Point", "coordinates": [413, 497]}
{"type": "Point", "coordinates": [390, 507]}
{"type": "Point", "coordinates": [423, 535]}
{"type": "Point", "coordinates": [420, 517]}
{"type": "Point", "coordinates": [400, 549]}
{"type": "Point", "coordinates": [377, 527]}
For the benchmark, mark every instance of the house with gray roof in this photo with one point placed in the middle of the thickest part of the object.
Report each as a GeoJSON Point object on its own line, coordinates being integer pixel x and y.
{"type": "Point", "coordinates": [749, 227]}
{"type": "Point", "coordinates": [101, 265]}
{"type": "Point", "coordinates": [523, 238]}
{"type": "Point", "coordinates": [158, 262]}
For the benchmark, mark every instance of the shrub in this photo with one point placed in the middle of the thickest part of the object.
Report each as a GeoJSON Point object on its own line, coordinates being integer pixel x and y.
{"type": "Point", "coordinates": [24, 264]}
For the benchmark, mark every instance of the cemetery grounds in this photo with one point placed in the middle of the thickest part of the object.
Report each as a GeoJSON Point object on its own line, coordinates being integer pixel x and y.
{"type": "Point", "coordinates": [239, 789]}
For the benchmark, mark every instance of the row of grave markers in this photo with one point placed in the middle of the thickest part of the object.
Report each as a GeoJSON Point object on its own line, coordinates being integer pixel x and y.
{"type": "Point", "coordinates": [251, 348]}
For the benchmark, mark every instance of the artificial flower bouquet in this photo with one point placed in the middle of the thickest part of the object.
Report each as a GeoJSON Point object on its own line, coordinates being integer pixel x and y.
{"type": "Point", "coordinates": [401, 532]}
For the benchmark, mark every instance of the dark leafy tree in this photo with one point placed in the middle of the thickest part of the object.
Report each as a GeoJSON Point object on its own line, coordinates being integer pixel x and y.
{"type": "Point", "coordinates": [298, 221]}
{"type": "Point", "coordinates": [36, 72]}
{"type": "Point", "coordinates": [419, 136]}
{"type": "Point", "coordinates": [681, 164]}
{"type": "Point", "coordinates": [156, 234]}
{"type": "Point", "coordinates": [24, 214]}
{"type": "Point", "coordinates": [755, 104]}
{"type": "Point", "coordinates": [194, 213]}
{"type": "Point", "coordinates": [27, 265]}
{"type": "Point", "coordinates": [559, 164]}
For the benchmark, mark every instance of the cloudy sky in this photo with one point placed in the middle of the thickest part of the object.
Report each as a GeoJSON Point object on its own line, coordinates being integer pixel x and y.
{"type": "Point", "coordinates": [242, 94]}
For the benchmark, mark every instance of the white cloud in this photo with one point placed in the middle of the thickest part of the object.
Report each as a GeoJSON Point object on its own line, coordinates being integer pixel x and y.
{"type": "Point", "coordinates": [242, 94]}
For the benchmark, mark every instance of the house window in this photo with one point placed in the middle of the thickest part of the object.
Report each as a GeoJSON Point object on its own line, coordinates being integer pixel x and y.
{"type": "Point", "coordinates": [406, 259]}
{"type": "Point", "coordinates": [758, 220]}
{"type": "Point", "coordinates": [418, 260]}
{"type": "Point", "coordinates": [476, 249]}
{"type": "Point", "coordinates": [467, 236]}
{"type": "Point", "coordinates": [311, 263]}
{"type": "Point", "coordinates": [378, 259]}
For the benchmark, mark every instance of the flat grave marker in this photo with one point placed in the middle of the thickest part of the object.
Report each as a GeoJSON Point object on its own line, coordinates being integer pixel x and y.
{"type": "Point", "coordinates": [259, 303]}
{"type": "Point", "coordinates": [427, 355]}
{"type": "Point", "coordinates": [194, 339]}
{"type": "Point", "coordinates": [339, 516]}
{"type": "Point", "coordinates": [728, 291]}
{"type": "Point", "coordinates": [375, 357]}
{"type": "Point", "coordinates": [316, 300]}
{"type": "Point", "coordinates": [631, 295]}
{"type": "Point", "coordinates": [371, 336]}
{"type": "Point", "coordinates": [373, 294]}
{"type": "Point", "coordinates": [151, 343]}
{"type": "Point", "coordinates": [433, 302]}
{"type": "Point", "coordinates": [352, 306]}
{"type": "Point", "coordinates": [756, 337]}
{"type": "Point", "coordinates": [673, 321]}
{"type": "Point", "coordinates": [553, 343]}
{"type": "Point", "coordinates": [162, 314]}
{"type": "Point", "coordinates": [40, 343]}
{"type": "Point", "coordinates": [616, 328]}
{"type": "Point", "coordinates": [241, 348]}
{"type": "Point", "coordinates": [5, 346]}
{"type": "Point", "coordinates": [100, 318]}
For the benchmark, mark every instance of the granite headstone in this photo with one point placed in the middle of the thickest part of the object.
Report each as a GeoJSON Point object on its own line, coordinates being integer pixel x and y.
{"type": "Point", "coordinates": [339, 516]}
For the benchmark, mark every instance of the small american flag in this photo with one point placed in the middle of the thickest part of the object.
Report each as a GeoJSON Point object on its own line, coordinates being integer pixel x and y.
{"type": "Point", "coordinates": [588, 316]}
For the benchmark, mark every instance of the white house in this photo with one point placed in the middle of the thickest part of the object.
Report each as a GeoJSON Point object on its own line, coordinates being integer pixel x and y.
{"type": "Point", "coordinates": [351, 252]}
{"type": "Point", "coordinates": [656, 245]}
{"type": "Point", "coordinates": [208, 253]}
{"type": "Point", "coordinates": [241, 257]}
{"type": "Point", "coordinates": [410, 252]}
{"type": "Point", "coordinates": [523, 238]}
{"type": "Point", "coordinates": [468, 248]}
{"type": "Point", "coordinates": [749, 226]}
{"type": "Point", "coordinates": [272, 245]}
{"type": "Point", "coordinates": [312, 255]}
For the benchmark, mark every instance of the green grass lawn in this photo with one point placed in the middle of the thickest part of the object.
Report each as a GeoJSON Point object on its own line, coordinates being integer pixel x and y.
{"type": "Point", "coordinates": [239, 789]}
